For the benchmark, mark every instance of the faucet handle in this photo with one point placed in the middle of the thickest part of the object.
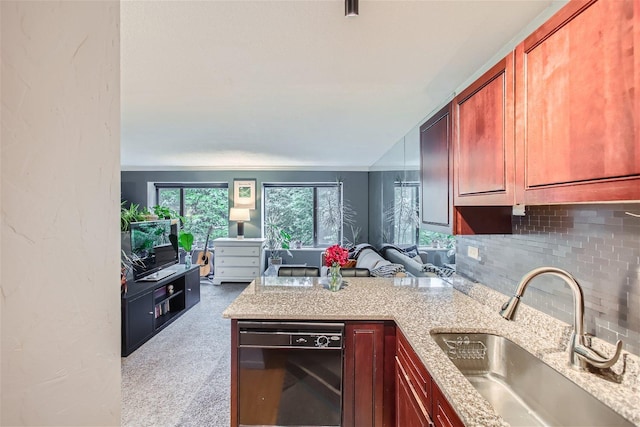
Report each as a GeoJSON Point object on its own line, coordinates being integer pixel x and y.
{"type": "Point", "coordinates": [594, 358]}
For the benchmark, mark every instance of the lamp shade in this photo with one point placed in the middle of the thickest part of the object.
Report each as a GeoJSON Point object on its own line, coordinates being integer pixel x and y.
{"type": "Point", "coordinates": [239, 214]}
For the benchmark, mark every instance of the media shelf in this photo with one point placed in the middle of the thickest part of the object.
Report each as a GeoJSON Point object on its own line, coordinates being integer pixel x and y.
{"type": "Point", "coordinates": [148, 307]}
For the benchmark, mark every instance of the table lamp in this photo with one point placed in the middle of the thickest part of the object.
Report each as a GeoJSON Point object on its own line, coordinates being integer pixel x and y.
{"type": "Point", "coordinates": [240, 215]}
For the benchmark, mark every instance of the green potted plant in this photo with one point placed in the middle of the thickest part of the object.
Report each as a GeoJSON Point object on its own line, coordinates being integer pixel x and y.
{"type": "Point", "coordinates": [185, 240]}
{"type": "Point", "coordinates": [128, 215]}
{"type": "Point", "coordinates": [127, 263]}
{"type": "Point", "coordinates": [277, 239]}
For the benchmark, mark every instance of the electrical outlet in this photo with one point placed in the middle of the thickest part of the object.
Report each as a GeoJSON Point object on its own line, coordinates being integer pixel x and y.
{"type": "Point", "coordinates": [473, 252]}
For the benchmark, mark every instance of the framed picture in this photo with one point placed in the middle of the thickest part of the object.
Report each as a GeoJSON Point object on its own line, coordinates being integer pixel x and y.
{"type": "Point", "coordinates": [244, 193]}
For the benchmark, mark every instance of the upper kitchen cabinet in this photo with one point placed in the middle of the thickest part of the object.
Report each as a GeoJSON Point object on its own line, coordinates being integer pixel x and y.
{"type": "Point", "coordinates": [578, 106]}
{"type": "Point", "coordinates": [436, 166]}
{"type": "Point", "coordinates": [437, 184]}
{"type": "Point", "coordinates": [484, 139]}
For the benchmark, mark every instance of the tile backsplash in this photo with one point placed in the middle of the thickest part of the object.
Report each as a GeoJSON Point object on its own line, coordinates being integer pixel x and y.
{"type": "Point", "coordinates": [598, 243]}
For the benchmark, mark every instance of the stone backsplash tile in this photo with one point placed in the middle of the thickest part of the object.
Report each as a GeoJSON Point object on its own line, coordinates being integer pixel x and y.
{"type": "Point", "coordinates": [598, 243]}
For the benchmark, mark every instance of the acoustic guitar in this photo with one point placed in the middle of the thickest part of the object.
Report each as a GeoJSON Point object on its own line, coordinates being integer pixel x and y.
{"type": "Point", "coordinates": [204, 257]}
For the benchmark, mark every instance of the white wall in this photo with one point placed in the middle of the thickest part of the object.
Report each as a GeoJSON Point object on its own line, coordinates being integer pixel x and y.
{"type": "Point", "coordinates": [60, 166]}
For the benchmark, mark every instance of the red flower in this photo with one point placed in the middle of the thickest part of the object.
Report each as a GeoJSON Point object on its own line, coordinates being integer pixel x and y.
{"type": "Point", "coordinates": [336, 254]}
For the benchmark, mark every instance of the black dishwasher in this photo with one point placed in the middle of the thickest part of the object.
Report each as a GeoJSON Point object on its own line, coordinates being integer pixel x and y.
{"type": "Point", "coordinates": [290, 373]}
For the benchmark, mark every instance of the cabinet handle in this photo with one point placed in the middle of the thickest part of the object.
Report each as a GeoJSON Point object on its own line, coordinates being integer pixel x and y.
{"type": "Point", "coordinates": [189, 289]}
{"type": "Point", "coordinates": [151, 313]}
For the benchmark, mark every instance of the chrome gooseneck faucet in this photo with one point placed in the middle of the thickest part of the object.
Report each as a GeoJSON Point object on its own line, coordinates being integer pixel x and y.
{"type": "Point", "coordinates": [580, 354]}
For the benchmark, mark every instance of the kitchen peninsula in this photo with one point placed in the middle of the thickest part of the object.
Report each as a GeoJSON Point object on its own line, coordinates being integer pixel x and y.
{"type": "Point", "coordinates": [416, 308]}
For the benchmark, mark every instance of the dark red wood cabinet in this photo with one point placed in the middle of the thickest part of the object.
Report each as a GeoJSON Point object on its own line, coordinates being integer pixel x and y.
{"type": "Point", "coordinates": [413, 387]}
{"type": "Point", "coordinates": [410, 409]}
{"type": "Point", "coordinates": [578, 105]}
{"type": "Point", "coordinates": [368, 374]}
{"type": "Point", "coordinates": [419, 401]}
{"type": "Point", "coordinates": [555, 121]}
{"type": "Point", "coordinates": [437, 185]}
{"type": "Point", "coordinates": [483, 117]}
{"type": "Point", "coordinates": [443, 413]}
{"type": "Point", "coordinates": [436, 166]}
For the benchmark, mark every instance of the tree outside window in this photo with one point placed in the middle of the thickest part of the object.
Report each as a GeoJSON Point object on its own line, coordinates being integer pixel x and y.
{"type": "Point", "coordinates": [201, 205]}
{"type": "Point", "coordinates": [311, 213]}
{"type": "Point", "coordinates": [406, 220]}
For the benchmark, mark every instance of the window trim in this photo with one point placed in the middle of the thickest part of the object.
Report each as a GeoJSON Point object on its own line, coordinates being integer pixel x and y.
{"type": "Point", "coordinates": [182, 185]}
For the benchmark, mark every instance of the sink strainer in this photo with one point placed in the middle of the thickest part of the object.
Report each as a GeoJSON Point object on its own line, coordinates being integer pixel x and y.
{"type": "Point", "coordinates": [464, 348]}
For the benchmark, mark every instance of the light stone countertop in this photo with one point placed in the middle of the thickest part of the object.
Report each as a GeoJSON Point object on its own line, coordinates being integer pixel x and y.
{"type": "Point", "coordinates": [420, 306]}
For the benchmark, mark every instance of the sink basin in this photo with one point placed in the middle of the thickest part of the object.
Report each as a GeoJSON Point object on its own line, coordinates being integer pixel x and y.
{"type": "Point", "coordinates": [520, 387]}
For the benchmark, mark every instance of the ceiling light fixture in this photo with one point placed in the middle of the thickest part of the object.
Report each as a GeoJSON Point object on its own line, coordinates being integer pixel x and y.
{"type": "Point", "coordinates": [350, 7]}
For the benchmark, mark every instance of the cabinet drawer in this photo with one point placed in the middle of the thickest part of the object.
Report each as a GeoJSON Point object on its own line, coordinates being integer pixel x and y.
{"type": "Point", "coordinates": [237, 251]}
{"type": "Point", "coordinates": [444, 415]}
{"type": "Point", "coordinates": [237, 272]}
{"type": "Point", "coordinates": [238, 262]}
{"type": "Point", "coordinates": [417, 375]}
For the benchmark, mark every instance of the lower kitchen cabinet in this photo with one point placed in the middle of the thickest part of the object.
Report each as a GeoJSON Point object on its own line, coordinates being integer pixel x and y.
{"type": "Point", "coordinates": [419, 401]}
{"type": "Point", "coordinates": [384, 383]}
{"type": "Point", "coordinates": [443, 414]}
{"type": "Point", "coordinates": [368, 368]}
{"type": "Point", "coordinates": [410, 409]}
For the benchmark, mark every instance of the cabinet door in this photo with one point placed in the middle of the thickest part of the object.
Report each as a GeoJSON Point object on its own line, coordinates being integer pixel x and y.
{"type": "Point", "coordinates": [138, 321]}
{"type": "Point", "coordinates": [578, 105]}
{"type": "Point", "coordinates": [436, 161]}
{"type": "Point", "coordinates": [192, 288]}
{"type": "Point", "coordinates": [410, 410]}
{"type": "Point", "coordinates": [363, 374]}
{"type": "Point", "coordinates": [443, 414]}
{"type": "Point", "coordinates": [484, 139]}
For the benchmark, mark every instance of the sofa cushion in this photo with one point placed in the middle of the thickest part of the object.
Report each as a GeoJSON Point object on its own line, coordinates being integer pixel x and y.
{"type": "Point", "coordinates": [370, 259]}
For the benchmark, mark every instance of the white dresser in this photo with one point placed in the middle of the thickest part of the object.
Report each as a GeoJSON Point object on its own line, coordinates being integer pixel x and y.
{"type": "Point", "coordinates": [237, 260]}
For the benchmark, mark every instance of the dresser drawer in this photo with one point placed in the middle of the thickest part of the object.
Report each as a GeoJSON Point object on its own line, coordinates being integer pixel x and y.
{"type": "Point", "coordinates": [238, 262]}
{"type": "Point", "coordinates": [237, 272]}
{"type": "Point", "coordinates": [237, 251]}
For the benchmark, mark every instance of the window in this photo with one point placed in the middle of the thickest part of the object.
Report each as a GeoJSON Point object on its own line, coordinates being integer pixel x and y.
{"type": "Point", "coordinates": [310, 212]}
{"type": "Point", "coordinates": [406, 223]}
{"type": "Point", "coordinates": [201, 205]}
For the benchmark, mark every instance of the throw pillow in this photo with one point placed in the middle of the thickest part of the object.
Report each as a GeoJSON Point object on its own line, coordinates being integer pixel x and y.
{"type": "Point", "coordinates": [411, 251]}
{"type": "Point", "coordinates": [388, 270]}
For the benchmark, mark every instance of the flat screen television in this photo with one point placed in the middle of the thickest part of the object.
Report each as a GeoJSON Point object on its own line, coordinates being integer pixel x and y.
{"type": "Point", "coordinates": [154, 244]}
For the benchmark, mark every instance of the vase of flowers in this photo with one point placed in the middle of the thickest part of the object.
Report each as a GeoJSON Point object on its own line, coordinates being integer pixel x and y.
{"type": "Point", "coordinates": [335, 257]}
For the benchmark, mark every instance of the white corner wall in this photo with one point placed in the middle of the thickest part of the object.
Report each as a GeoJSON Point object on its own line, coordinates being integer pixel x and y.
{"type": "Point", "coordinates": [60, 196]}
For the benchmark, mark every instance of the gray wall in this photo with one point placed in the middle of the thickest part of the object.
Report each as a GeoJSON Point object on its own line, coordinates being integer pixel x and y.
{"type": "Point", "coordinates": [599, 244]}
{"type": "Point", "coordinates": [355, 187]}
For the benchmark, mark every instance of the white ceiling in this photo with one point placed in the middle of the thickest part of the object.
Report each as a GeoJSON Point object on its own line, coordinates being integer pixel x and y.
{"type": "Point", "coordinates": [294, 84]}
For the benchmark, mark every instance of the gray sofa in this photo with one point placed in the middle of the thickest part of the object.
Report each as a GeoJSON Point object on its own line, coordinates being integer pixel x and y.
{"type": "Point", "coordinates": [411, 265]}
{"type": "Point", "coordinates": [368, 257]}
{"type": "Point", "coordinates": [415, 263]}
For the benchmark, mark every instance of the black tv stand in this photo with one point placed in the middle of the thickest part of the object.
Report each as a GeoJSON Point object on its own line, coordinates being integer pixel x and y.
{"type": "Point", "coordinates": [148, 307]}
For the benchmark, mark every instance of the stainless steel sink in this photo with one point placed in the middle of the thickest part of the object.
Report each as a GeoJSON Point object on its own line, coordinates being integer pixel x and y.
{"type": "Point", "coordinates": [520, 387]}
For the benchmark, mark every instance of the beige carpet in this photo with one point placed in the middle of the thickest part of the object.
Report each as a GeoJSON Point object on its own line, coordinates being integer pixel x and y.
{"type": "Point", "coordinates": [181, 376]}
